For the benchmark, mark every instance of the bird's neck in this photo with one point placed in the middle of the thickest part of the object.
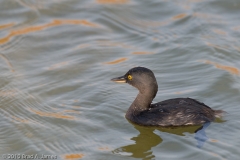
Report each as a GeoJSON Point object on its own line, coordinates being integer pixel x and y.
{"type": "Point", "coordinates": [140, 104]}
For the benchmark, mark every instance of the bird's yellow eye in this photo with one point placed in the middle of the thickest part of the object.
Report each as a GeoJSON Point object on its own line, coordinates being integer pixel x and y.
{"type": "Point", "coordinates": [129, 77]}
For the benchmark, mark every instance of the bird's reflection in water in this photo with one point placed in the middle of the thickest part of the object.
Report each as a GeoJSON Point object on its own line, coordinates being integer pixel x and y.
{"type": "Point", "coordinates": [148, 139]}
{"type": "Point", "coordinates": [143, 144]}
{"type": "Point", "coordinates": [201, 136]}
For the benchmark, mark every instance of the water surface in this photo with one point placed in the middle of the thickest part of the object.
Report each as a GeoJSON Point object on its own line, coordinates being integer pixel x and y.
{"type": "Point", "coordinates": [57, 59]}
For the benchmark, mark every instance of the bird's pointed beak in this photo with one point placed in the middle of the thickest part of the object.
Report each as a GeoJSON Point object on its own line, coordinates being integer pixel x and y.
{"type": "Point", "coordinates": [119, 79]}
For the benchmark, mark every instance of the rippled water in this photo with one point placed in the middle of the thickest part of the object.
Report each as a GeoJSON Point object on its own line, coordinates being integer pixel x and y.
{"type": "Point", "coordinates": [57, 59]}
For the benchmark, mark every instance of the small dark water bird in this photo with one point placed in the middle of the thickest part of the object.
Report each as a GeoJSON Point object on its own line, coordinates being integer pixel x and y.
{"type": "Point", "coordinates": [171, 112]}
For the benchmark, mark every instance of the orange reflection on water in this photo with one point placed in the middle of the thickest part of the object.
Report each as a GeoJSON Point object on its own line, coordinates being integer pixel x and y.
{"type": "Point", "coordinates": [230, 69]}
{"type": "Point", "coordinates": [210, 18]}
{"type": "Point", "coordinates": [214, 140]}
{"type": "Point", "coordinates": [237, 48]}
{"type": "Point", "coordinates": [56, 22]}
{"type": "Point", "coordinates": [142, 52]}
{"type": "Point", "coordinates": [5, 39]}
{"type": "Point", "coordinates": [113, 44]}
{"type": "Point", "coordinates": [58, 65]}
{"type": "Point", "coordinates": [8, 93]}
{"type": "Point", "coordinates": [3, 26]}
{"type": "Point", "coordinates": [179, 16]}
{"type": "Point", "coordinates": [104, 148]}
{"type": "Point", "coordinates": [220, 32]}
{"type": "Point", "coordinates": [182, 92]}
{"type": "Point", "coordinates": [112, 1]}
{"type": "Point", "coordinates": [73, 156]}
{"type": "Point", "coordinates": [83, 45]}
{"type": "Point", "coordinates": [216, 46]}
{"type": "Point", "coordinates": [55, 115]}
{"type": "Point", "coordinates": [20, 120]}
{"type": "Point", "coordinates": [206, 16]}
{"type": "Point", "coordinates": [116, 61]}
{"type": "Point", "coordinates": [7, 62]}
{"type": "Point", "coordinates": [236, 28]}
{"type": "Point", "coordinates": [72, 111]}
{"type": "Point", "coordinates": [76, 106]}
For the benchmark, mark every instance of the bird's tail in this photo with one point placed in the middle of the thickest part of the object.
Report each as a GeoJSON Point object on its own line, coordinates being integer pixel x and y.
{"type": "Point", "coordinates": [219, 113]}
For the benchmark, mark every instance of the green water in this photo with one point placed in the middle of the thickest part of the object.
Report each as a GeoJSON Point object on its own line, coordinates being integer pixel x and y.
{"type": "Point", "coordinates": [57, 58]}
